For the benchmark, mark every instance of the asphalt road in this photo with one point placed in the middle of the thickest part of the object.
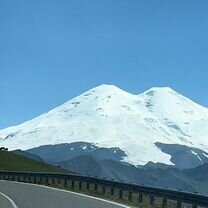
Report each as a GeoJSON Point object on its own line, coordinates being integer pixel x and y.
{"type": "Point", "coordinates": [33, 196]}
{"type": "Point", "coordinates": [4, 201]}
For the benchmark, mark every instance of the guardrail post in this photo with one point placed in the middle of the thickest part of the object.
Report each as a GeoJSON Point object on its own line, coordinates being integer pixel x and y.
{"type": "Point", "coordinates": [112, 191]}
{"type": "Point", "coordinates": [41, 180]}
{"type": "Point", "coordinates": [151, 200]}
{"type": "Point", "coordinates": [33, 181]}
{"type": "Point", "coordinates": [84, 186]}
{"type": "Point", "coordinates": [72, 185]}
{"type": "Point", "coordinates": [178, 204]}
{"type": "Point", "coordinates": [80, 185]}
{"type": "Point", "coordinates": [130, 196]}
{"type": "Point", "coordinates": [88, 186]}
{"type": "Point", "coordinates": [103, 189]}
{"type": "Point", "coordinates": [95, 187]}
{"type": "Point", "coordinates": [164, 202]}
{"type": "Point", "coordinates": [47, 181]}
{"type": "Point", "coordinates": [140, 198]}
{"type": "Point", "coordinates": [120, 194]}
{"type": "Point", "coordinates": [65, 183]}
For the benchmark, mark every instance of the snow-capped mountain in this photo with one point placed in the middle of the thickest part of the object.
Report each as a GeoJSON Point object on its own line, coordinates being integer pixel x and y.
{"type": "Point", "coordinates": [110, 117]}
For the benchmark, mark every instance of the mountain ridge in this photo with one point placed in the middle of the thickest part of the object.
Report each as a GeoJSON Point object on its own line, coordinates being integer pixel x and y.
{"type": "Point", "coordinates": [110, 117]}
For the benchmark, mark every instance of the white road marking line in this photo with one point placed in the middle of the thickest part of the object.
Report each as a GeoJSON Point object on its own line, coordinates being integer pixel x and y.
{"type": "Point", "coordinates": [75, 193]}
{"type": "Point", "coordinates": [9, 199]}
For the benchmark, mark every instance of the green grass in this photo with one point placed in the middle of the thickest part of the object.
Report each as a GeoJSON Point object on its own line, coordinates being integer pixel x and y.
{"type": "Point", "coordinates": [10, 161]}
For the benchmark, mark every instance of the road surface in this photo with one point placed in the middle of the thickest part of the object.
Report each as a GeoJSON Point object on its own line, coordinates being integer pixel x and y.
{"type": "Point", "coordinates": [19, 195]}
{"type": "Point", "coordinates": [6, 202]}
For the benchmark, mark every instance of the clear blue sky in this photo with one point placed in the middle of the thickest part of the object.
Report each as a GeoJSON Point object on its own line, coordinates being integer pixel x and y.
{"type": "Point", "coordinates": [52, 50]}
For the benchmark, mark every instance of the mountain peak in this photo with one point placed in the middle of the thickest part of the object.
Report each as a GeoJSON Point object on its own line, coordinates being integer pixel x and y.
{"type": "Point", "coordinates": [107, 87]}
{"type": "Point", "coordinates": [161, 90]}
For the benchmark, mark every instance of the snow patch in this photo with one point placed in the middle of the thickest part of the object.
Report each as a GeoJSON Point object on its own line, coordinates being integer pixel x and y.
{"type": "Point", "coordinates": [196, 155]}
{"type": "Point", "coordinates": [84, 147]}
{"type": "Point", "coordinates": [205, 155]}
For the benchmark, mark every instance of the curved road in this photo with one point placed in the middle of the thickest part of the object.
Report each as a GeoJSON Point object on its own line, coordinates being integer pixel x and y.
{"type": "Point", "coordinates": [6, 202]}
{"type": "Point", "coordinates": [34, 196]}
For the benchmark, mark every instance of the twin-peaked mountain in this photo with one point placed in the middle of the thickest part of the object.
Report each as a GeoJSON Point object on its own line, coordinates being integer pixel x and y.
{"type": "Point", "coordinates": [159, 125]}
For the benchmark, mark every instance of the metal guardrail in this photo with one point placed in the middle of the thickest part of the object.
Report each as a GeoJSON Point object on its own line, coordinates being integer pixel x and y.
{"type": "Point", "coordinates": [133, 194]}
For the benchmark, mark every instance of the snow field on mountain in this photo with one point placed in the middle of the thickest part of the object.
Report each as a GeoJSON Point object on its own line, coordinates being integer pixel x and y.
{"type": "Point", "coordinates": [110, 117]}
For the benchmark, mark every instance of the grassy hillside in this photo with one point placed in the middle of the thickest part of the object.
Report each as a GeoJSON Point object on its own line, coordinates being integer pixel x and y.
{"type": "Point", "coordinates": [10, 161]}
